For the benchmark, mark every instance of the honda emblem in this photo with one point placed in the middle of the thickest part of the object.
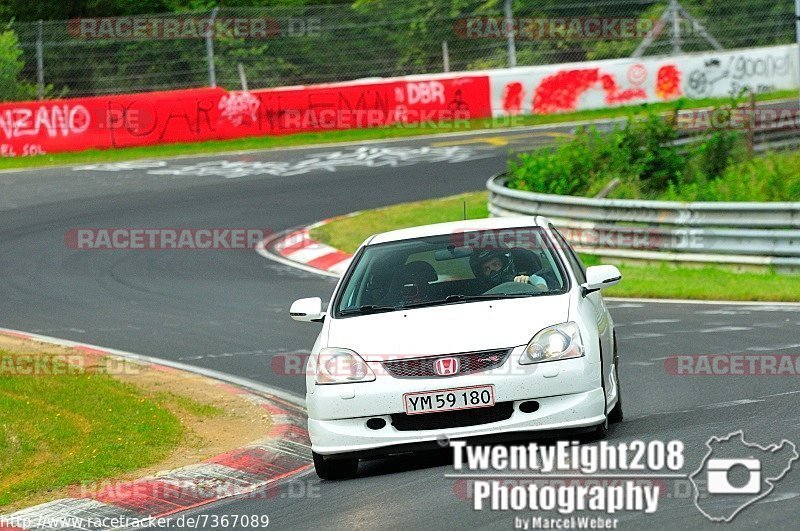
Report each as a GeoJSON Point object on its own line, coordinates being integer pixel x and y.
{"type": "Point", "coordinates": [446, 366]}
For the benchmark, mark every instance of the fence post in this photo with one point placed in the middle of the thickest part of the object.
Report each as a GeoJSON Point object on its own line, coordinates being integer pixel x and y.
{"type": "Point", "coordinates": [446, 55]}
{"type": "Point", "coordinates": [212, 71]}
{"type": "Point", "coordinates": [676, 27]}
{"type": "Point", "coordinates": [39, 62]}
{"type": "Point", "coordinates": [797, 18]}
{"type": "Point", "coordinates": [242, 77]}
{"type": "Point", "coordinates": [509, 24]}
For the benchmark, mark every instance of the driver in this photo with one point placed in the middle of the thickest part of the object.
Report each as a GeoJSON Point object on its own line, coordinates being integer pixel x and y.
{"type": "Point", "coordinates": [494, 268]}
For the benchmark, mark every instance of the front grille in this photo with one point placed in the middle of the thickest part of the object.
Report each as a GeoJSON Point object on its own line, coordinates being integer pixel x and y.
{"type": "Point", "coordinates": [468, 363]}
{"type": "Point", "coordinates": [453, 419]}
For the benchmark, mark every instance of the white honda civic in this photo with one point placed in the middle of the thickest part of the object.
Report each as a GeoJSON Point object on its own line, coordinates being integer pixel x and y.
{"type": "Point", "coordinates": [481, 329]}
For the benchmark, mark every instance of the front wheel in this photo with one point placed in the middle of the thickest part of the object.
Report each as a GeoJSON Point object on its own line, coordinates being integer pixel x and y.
{"type": "Point", "coordinates": [615, 416]}
{"type": "Point", "coordinates": [332, 468]}
{"type": "Point", "coordinates": [598, 433]}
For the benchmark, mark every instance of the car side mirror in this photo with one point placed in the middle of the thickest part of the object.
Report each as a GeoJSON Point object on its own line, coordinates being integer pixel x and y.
{"type": "Point", "coordinates": [307, 310]}
{"type": "Point", "coordinates": [600, 277]}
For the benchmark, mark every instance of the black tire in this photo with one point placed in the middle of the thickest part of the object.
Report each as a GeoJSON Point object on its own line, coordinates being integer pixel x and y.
{"type": "Point", "coordinates": [334, 468]}
{"type": "Point", "coordinates": [598, 433]}
{"type": "Point", "coordinates": [615, 416]}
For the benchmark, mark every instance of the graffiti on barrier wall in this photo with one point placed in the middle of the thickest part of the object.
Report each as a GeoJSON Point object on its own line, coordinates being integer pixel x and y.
{"type": "Point", "coordinates": [442, 101]}
{"type": "Point", "coordinates": [566, 90]}
{"type": "Point", "coordinates": [562, 90]}
{"type": "Point", "coordinates": [668, 83]}
{"type": "Point", "coordinates": [546, 89]}
{"type": "Point", "coordinates": [194, 115]}
{"type": "Point", "coordinates": [236, 107]}
{"type": "Point", "coordinates": [737, 73]}
{"type": "Point", "coordinates": [56, 120]}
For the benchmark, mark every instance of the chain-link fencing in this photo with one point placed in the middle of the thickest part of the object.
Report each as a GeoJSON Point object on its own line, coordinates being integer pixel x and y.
{"type": "Point", "coordinates": [282, 46]}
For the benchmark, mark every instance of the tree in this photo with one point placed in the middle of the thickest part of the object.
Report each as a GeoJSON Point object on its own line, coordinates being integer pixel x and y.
{"type": "Point", "coordinates": [11, 64]}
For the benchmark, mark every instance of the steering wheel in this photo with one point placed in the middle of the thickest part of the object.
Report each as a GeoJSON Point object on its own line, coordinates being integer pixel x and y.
{"type": "Point", "coordinates": [512, 288]}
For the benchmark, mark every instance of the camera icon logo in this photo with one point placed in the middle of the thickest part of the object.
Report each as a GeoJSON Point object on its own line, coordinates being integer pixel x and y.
{"type": "Point", "coordinates": [735, 474]}
{"type": "Point", "coordinates": [720, 483]}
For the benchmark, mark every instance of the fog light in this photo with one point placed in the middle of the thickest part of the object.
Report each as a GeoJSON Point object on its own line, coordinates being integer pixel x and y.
{"type": "Point", "coordinates": [376, 424]}
{"type": "Point", "coordinates": [529, 406]}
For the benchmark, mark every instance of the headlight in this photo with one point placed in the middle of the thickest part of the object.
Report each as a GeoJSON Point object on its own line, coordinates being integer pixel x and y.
{"type": "Point", "coordinates": [557, 342]}
{"type": "Point", "coordinates": [340, 365]}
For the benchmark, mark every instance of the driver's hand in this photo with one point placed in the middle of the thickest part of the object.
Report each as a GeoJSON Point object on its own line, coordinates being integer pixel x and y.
{"type": "Point", "coordinates": [525, 279]}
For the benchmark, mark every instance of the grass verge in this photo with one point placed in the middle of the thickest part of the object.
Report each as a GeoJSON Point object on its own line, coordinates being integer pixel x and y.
{"type": "Point", "coordinates": [59, 430]}
{"type": "Point", "coordinates": [349, 135]}
{"type": "Point", "coordinates": [639, 280]}
{"type": "Point", "coordinates": [72, 424]}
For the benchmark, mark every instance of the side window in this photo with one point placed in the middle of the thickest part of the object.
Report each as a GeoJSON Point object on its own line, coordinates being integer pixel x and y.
{"type": "Point", "coordinates": [574, 262]}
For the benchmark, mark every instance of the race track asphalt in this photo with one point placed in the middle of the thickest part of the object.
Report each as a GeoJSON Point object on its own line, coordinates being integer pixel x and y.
{"type": "Point", "coordinates": [228, 311]}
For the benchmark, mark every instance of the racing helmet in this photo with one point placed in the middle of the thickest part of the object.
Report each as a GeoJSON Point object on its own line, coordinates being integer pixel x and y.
{"type": "Point", "coordinates": [507, 270]}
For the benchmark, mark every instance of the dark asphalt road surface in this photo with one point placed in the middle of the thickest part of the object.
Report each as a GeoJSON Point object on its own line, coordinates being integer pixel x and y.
{"type": "Point", "coordinates": [228, 311]}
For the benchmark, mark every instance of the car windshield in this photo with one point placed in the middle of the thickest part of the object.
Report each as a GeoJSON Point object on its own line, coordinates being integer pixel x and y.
{"type": "Point", "coordinates": [451, 269]}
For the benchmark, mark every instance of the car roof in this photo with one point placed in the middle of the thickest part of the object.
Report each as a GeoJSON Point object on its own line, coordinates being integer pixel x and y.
{"type": "Point", "coordinates": [456, 226]}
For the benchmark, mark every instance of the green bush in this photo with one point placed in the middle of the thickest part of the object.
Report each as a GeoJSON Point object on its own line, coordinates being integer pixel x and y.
{"type": "Point", "coordinates": [639, 153]}
{"type": "Point", "coordinates": [642, 156]}
{"type": "Point", "coordinates": [772, 177]}
{"type": "Point", "coordinates": [649, 151]}
{"type": "Point", "coordinates": [569, 169]}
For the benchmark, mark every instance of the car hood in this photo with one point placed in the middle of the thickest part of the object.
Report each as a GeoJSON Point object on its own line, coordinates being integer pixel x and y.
{"type": "Point", "coordinates": [448, 329]}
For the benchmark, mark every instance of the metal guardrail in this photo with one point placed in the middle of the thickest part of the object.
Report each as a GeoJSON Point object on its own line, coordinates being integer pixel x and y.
{"type": "Point", "coordinates": [734, 233]}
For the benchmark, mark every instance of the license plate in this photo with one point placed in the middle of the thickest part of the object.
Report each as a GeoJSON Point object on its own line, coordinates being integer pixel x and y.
{"type": "Point", "coordinates": [449, 399]}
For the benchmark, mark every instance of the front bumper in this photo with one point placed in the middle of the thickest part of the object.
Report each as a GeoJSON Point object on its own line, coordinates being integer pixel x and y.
{"type": "Point", "coordinates": [568, 393]}
{"type": "Point", "coordinates": [555, 413]}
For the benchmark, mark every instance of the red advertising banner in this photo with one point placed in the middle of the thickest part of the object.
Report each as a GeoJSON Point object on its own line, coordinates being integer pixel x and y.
{"type": "Point", "coordinates": [31, 128]}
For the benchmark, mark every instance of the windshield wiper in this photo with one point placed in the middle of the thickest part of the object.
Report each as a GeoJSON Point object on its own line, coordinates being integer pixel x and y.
{"type": "Point", "coordinates": [465, 298]}
{"type": "Point", "coordinates": [367, 309]}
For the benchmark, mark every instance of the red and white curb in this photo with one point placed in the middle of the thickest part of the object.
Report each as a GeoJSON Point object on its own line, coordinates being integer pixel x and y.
{"type": "Point", "coordinates": [284, 452]}
{"type": "Point", "coordinates": [298, 249]}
